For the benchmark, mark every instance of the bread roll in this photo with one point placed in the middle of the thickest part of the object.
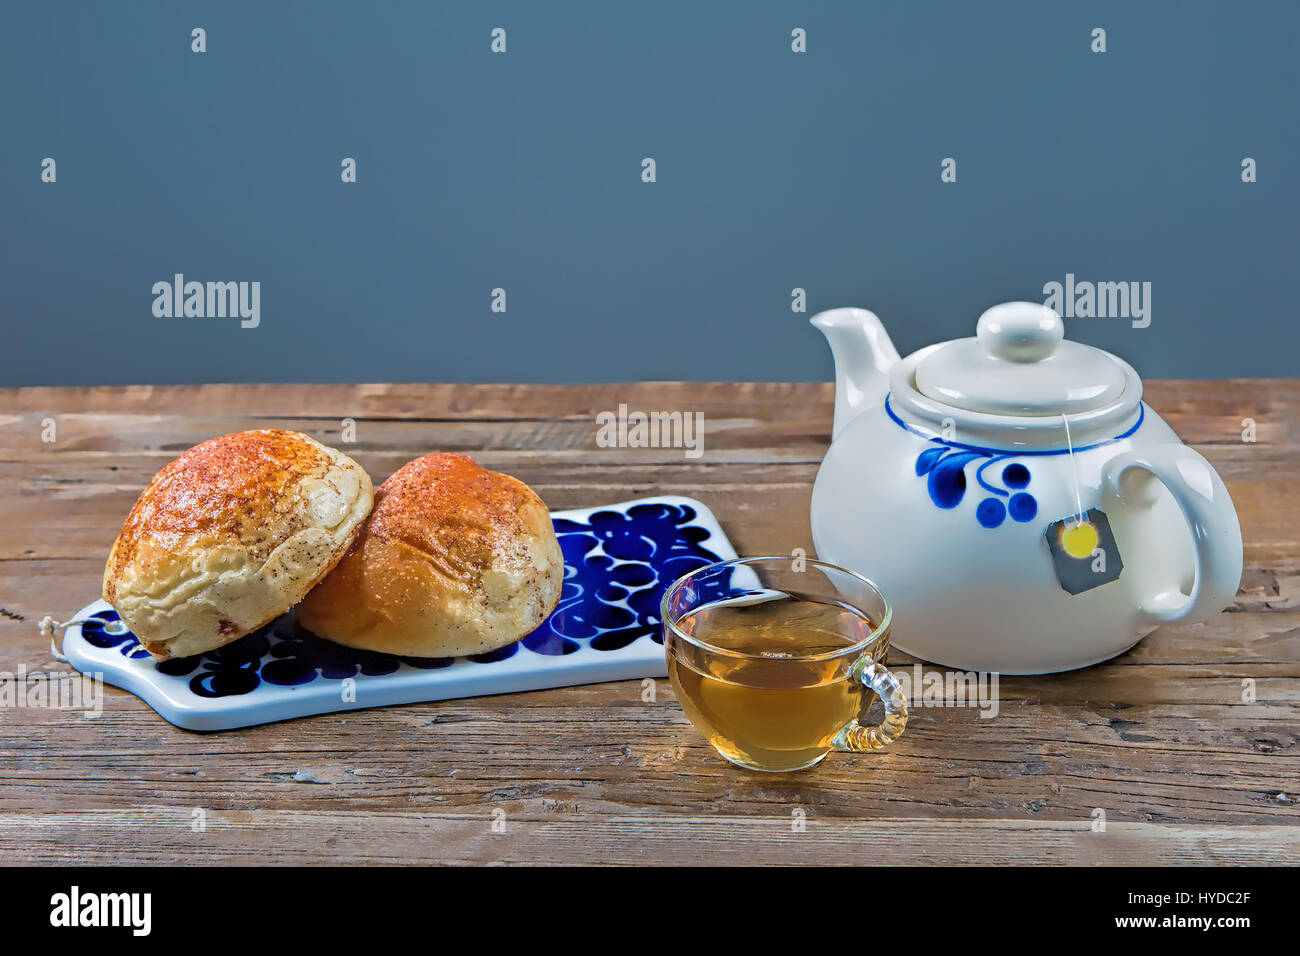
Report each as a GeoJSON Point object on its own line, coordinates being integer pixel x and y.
{"type": "Point", "coordinates": [454, 560]}
{"type": "Point", "coordinates": [231, 534]}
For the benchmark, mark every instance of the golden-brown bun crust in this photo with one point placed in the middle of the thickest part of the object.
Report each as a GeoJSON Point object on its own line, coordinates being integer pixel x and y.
{"type": "Point", "coordinates": [231, 534]}
{"type": "Point", "coordinates": [453, 560]}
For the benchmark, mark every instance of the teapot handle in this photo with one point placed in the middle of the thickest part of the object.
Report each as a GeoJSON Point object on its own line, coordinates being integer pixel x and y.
{"type": "Point", "coordinates": [1210, 516]}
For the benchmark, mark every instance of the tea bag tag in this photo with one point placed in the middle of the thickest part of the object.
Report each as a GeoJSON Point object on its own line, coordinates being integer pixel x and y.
{"type": "Point", "coordinates": [1083, 551]}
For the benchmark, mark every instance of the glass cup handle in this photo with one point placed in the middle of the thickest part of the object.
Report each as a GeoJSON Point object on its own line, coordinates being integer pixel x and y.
{"type": "Point", "coordinates": [855, 738]}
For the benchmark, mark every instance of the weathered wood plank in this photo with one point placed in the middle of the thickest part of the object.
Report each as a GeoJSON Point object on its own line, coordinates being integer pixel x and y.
{"type": "Point", "coordinates": [153, 835]}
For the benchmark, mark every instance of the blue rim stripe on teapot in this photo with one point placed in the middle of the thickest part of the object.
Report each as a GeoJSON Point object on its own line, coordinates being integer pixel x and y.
{"type": "Point", "coordinates": [1014, 452]}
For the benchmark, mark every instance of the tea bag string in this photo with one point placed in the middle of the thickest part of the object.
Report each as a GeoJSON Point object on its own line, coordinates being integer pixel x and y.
{"type": "Point", "coordinates": [52, 629]}
{"type": "Point", "coordinates": [1074, 474]}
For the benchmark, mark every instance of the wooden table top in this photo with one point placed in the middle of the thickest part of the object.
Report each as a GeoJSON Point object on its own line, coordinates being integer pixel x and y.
{"type": "Point", "coordinates": [1159, 739]}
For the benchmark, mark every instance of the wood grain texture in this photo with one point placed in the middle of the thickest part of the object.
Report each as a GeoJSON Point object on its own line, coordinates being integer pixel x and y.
{"type": "Point", "coordinates": [1159, 739]}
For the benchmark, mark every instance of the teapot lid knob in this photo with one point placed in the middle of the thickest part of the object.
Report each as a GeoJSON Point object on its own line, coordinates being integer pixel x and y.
{"type": "Point", "coordinates": [1020, 331]}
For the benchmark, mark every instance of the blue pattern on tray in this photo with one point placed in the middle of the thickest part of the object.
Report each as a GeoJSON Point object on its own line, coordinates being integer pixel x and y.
{"type": "Point", "coordinates": [617, 565]}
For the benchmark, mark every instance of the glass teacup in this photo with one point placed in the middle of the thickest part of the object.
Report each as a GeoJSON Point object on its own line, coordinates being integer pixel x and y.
{"type": "Point", "coordinates": [777, 659]}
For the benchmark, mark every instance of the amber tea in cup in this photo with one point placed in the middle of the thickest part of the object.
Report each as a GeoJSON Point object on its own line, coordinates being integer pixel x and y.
{"type": "Point", "coordinates": [776, 660]}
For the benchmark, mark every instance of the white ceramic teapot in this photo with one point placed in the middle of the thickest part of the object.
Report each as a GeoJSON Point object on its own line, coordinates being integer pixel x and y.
{"type": "Point", "coordinates": [1013, 497]}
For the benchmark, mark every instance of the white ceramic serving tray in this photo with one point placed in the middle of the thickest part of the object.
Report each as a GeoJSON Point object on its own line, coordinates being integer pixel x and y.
{"type": "Point", "coordinates": [618, 561]}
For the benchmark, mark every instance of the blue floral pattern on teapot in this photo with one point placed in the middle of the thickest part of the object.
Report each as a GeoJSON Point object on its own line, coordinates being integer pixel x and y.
{"type": "Point", "coordinates": [945, 468]}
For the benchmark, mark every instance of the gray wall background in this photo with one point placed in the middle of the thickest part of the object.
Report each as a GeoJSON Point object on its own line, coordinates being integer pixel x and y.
{"type": "Point", "coordinates": [523, 171]}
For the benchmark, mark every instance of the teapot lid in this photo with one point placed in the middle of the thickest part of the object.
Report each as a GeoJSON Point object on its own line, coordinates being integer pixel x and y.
{"type": "Point", "coordinates": [1019, 364]}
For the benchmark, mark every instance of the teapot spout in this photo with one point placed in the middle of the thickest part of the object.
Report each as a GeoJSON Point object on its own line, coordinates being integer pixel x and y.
{"type": "Point", "coordinates": [863, 357]}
